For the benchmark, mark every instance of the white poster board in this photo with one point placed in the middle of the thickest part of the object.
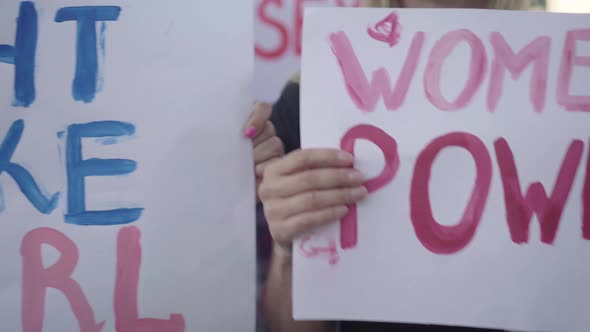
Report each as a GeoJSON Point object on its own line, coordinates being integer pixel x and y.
{"type": "Point", "coordinates": [128, 201]}
{"type": "Point", "coordinates": [421, 97]}
{"type": "Point", "coordinates": [278, 35]}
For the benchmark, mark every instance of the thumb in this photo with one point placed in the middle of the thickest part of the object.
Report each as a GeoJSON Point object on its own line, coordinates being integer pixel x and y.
{"type": "Point", "coordinates": [260, 115]}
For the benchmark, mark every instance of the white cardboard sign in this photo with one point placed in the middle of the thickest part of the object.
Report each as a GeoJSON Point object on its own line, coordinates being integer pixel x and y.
{"type": "Point", "coordinates": [127, 190]}
{"type": "Point", "coordinates": [472, 128]}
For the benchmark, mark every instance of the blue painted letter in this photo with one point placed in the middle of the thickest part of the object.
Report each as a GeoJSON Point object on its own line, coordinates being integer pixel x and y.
{"type": "Point", "coordinates": [78, 169]}
{"type": "Point", "coordinates": [84, 86]}
{"type": "Point", "coordinates": [22, 55]}
{"type": "Point", "coordinates": [20, 175]}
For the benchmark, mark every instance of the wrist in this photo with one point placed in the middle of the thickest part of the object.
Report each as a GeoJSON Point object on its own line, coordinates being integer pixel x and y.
{"type": "Point", "coordinates": [282, 255]}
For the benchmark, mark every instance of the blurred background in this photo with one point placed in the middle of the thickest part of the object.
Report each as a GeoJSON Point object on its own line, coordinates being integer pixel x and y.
{"type": "Point", "coordinates": [565, 6]}
{"type": "Point", "coordinates": [278, 37]}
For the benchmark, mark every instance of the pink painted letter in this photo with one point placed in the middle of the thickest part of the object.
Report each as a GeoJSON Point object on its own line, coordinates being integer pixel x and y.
{"type": "Point", "coordinates": [126, 284]}
{"type": "Point", "coordinates": [348, 224]}
{"type": "Point", "coordinates": [435, 237]}
{"type": "Point", "coordinates": [280, 28]}
{"type": "Point", "coordinates": [365, 95]}
{"type": "Point", "coordinates": [568, 61]}
{"type": "Point", "coordinates": [519, 208]}
{"type": "Point", "coordinates": [440, 52]}
{"type": "Point", "coordinates": [36, 279]}
{"type": "Point", "coordinates": [536, 52]}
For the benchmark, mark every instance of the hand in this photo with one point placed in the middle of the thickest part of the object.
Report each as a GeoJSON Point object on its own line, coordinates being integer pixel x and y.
{"type": "Point", "coordinates": [307, 189]}
{"type": "Point", "coordinates": [267, 147]}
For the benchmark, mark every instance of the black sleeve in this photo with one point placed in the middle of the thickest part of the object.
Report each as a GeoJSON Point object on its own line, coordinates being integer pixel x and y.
{"type": "Point", "coordinates": [395, 327]}
{"type": "Point", "coordinates": [285, 117]}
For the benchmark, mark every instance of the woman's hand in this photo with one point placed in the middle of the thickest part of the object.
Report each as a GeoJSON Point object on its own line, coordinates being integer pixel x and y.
{"type": "Point", "coordinates": [267, 147]}
{"type": "Point", "coordinates": [307, 189]}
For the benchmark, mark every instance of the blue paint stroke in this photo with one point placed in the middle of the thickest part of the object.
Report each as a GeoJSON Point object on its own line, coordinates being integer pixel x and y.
{"type": "Point", "coordinates": [20, 175]}
{"type": "Point", "coordinates": [108, 140]}
{"type": "Point", "coordinates": [113, 140]}
{"type": "Point", "coordinates": [105, 218]}
{"type": "Point", "coordinates": [60, 136]}
{"type": "Point", "coordinates": [102, 38]}
{"type": "Point", "coordinates": [7, 54]}
{"type": "Point", "coordinates": [84, 87]}
{"type": "Point", "coordinates": [78, 169]}
{"type": "Point", "coordinates": [101, 56]}
{"type": "Point", "coordinates": [22, 55]}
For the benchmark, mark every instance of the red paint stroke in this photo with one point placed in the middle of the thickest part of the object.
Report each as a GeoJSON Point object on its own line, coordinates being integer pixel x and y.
{"type": "Point", "coordinates": [536, 52]}
{"type": "Point", "coordinates": [365, 95]}
{"type": "Point", "coordinates": [36, 280]}
{"type": "Point", "coordinates": [126, 289]}
{"type": "Point", "coordinates": [519, 208]}
{"type": "Point", "coordinates": [388, 146]}
{"type": "Point", "coordinates": [438, 55]}
{"type": "Point", "coordinates": [280, 28]}
{"type": "Point", "coordinates": [310, 251]}
{"type": "Point", "coordinates": [437, 238]}
{"type": "Point", "coordinates": [387, 30]}
{"type": "Point", "coordinates": [569, 59]}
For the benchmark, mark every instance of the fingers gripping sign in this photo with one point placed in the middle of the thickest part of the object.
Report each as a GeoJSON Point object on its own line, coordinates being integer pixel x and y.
{"type": "Point", "coordinates": [308, 189]}
{"type": "Point", "coordinates": [267, 147]}
{"type": "Point", "coordinates": [259, 116]}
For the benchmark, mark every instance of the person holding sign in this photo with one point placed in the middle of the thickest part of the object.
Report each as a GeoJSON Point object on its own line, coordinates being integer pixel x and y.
{"type": "Point", "coordinates": [310, 188]}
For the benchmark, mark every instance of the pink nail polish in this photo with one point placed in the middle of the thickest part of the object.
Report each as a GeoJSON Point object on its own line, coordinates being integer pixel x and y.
{"type": "Point", "coordinates": [251, 132]}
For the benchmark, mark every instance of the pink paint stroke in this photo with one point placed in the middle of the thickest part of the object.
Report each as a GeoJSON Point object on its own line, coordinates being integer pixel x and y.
{"type": "Point", "coordinates": [126, 289]}
{"type": "Point", "coordinates": [519, 207]}
{"type": "Point", "coordinates": [569, 59]}
{"type": "Point", "coordinates": [388, 146]}
{"type": "Point", "coordinates": [365, 95]}
{"type": "Point", "coordinates": [37, 279]}
{"type": "Point", "coordinates": [439, 54]}
{"type": "Point", "coordinates": [536, 53]}
{"type": "Point", "coordinates": [437, 238]}
{"type": "Point", "coordinates": [388, 30]}
{"type": "Point", "coordinates": [311, 251]}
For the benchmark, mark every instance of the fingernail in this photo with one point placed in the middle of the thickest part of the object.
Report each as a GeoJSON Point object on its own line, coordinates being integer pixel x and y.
{"type": "Point", "coordinates": [356, 176]}
{"type": "Point", "coordinates": [259, 170]}
{"type": "Point", "coordinates": [345, 156]}
{"type": "Point", "coordinates": [251, 132]}
{"type": "Point", "coordinates": [359, 192]}
{"type": "Point", "coordinates": [341, 210]}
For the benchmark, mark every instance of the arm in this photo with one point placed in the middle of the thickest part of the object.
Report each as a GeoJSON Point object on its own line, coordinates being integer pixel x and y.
{"type": "Point", "coordinates": [300, 192]}
{"type": "Point", "coordinates": [276, 295]}
{"type": "Point", "coordinates": [277, 299]}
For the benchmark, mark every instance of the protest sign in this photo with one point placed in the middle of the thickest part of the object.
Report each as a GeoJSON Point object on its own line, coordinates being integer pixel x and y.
{"type": "Point", "coordinates": [472, 128]}
{"type": "Point", "coordinates": [127, 187]}
{"type": "Point", "coordinates": [278, 26]}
